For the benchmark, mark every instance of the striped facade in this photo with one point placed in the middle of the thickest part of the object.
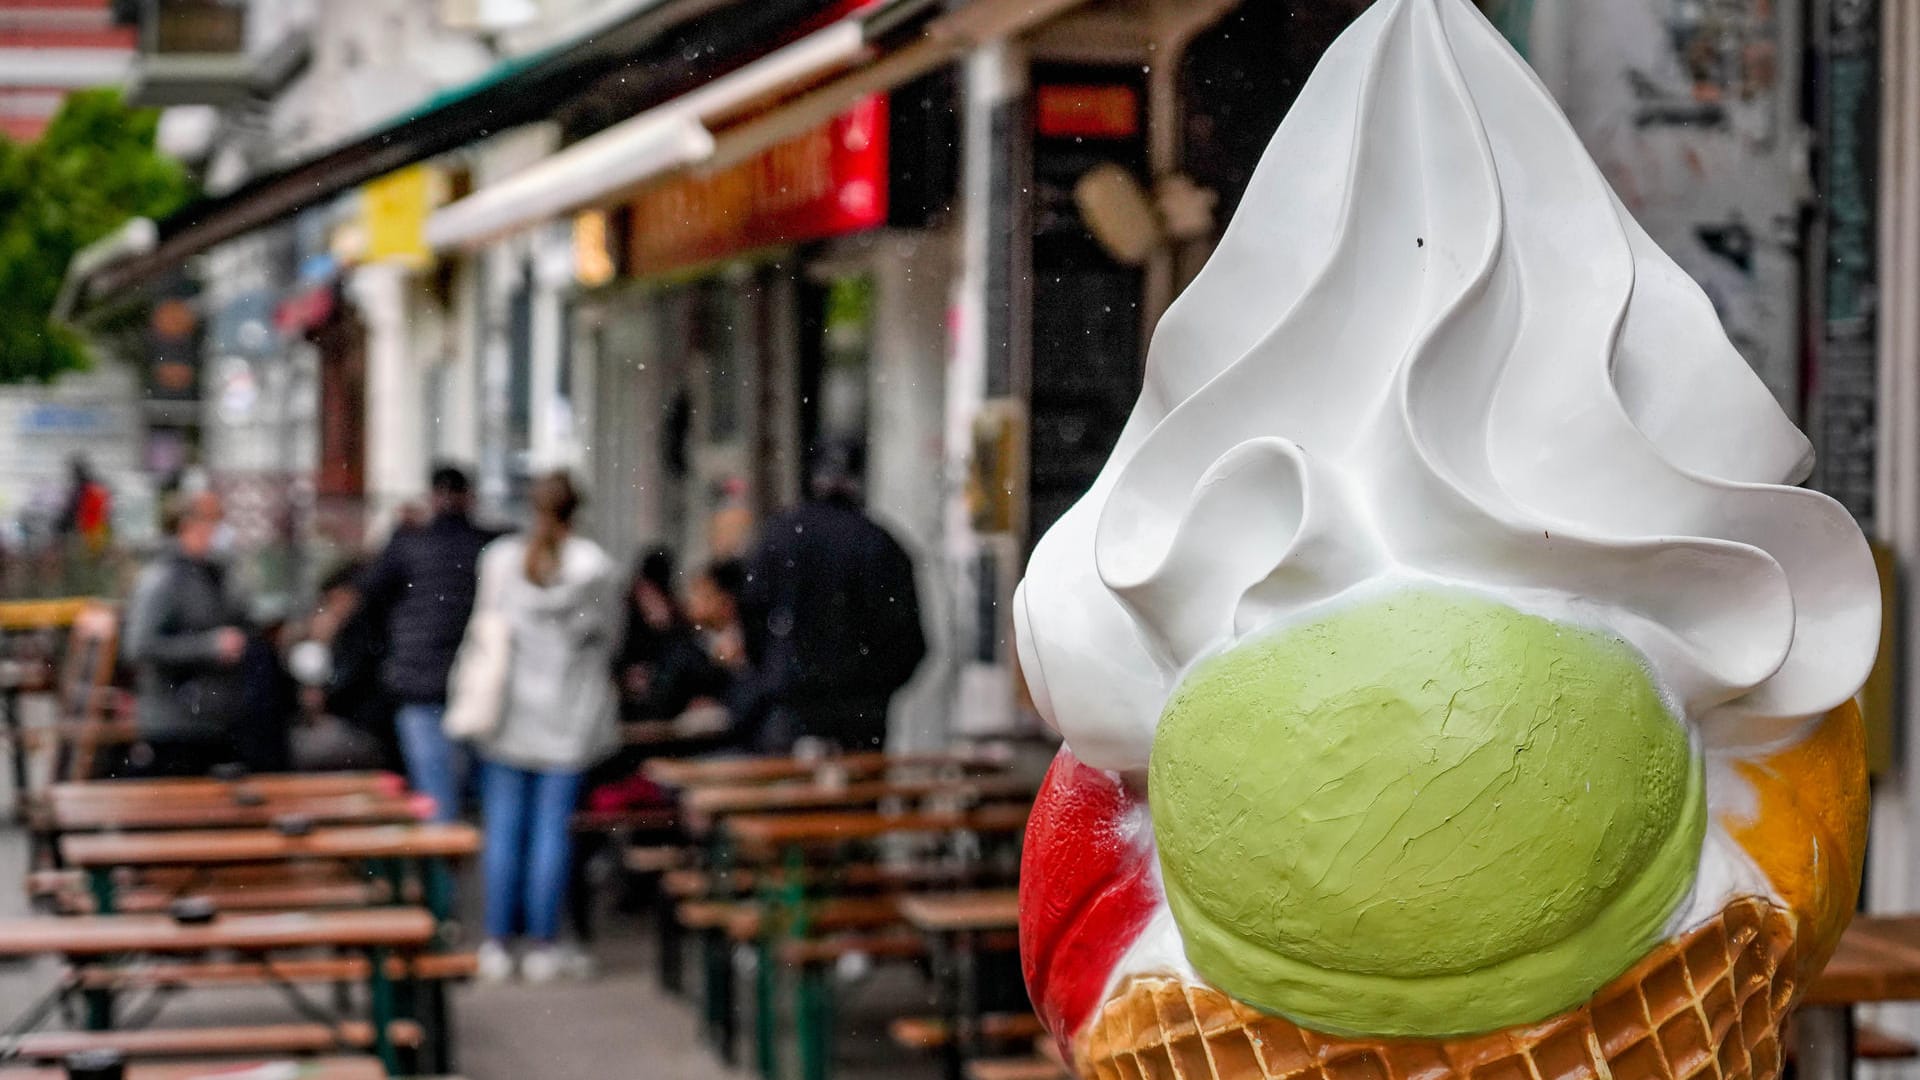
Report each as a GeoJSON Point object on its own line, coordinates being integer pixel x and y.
{"type": "Point", "coordinates": [49, 48]}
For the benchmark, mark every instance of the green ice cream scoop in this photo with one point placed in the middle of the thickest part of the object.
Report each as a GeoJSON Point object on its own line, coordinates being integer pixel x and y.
{"type": "Point", "coordinates": [1427, 814]}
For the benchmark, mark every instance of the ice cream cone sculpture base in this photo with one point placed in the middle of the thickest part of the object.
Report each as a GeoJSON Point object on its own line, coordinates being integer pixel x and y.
{"type": "Point", "coordinates": [1707, 1005]}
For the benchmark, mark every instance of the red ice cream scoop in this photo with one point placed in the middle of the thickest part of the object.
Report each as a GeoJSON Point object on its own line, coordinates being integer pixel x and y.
{"type": "Point", "coordinates": [1087, 889]}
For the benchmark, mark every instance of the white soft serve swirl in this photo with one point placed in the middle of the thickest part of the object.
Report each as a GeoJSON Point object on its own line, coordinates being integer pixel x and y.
{"type": "Point", "coordinates": [1433, 344]}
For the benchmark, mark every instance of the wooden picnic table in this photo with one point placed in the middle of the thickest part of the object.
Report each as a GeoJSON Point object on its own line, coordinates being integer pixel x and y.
{"type": "Point", "coordinates": [106, 935]}
{"type": "Point", "coordinates": [89, 814]}
{"type": "Point", "coordinates": [194, 847]}
{"type": "Point", "coordinates": [675, 772]}
{"type": "Point", "coordinates": [769, 833]}
{"type": "Point", "coordinates": [951, 913]}
{"type": "Point", "coordinates": [702, 805]}
{"type": "Point", "coordinates": [1878, 960]}
{"type": "Point", "coordinates": [372, 931]}
{"type": "Point", "coordinates": [264, 785]}
{"type": "Point", "coordinates": [954, 924]}
{"type": "Point", "coordinates": [327, 1068]}
{"type": "Point", "coordinates": [386, 847]}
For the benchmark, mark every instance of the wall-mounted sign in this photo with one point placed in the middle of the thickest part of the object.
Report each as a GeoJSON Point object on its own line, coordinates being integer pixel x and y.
{"type": "Point", "coordinates": [595, 261]}
{"type": "Point", "coordinates": [828, 182]}
{"type": "Point", "coordinates": [393, 215]}
{"type": "Point", "coordinates": [1087, 111]}
{"type": "Point", "coordinates": [53, 418]}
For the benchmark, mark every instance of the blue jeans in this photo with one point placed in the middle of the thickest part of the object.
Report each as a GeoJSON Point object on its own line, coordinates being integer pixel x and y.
{"type": "Point", "coordinates": [529, 848]}
{"type": "Point", "coordinates": [436, 765]}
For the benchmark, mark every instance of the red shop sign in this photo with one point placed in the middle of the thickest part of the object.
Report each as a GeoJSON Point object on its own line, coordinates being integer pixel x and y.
{"type": "Point", "coordinates": [828, 182]}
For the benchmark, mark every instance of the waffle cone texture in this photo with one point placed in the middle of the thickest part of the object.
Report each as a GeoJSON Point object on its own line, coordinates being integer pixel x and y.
{"type": "Point", "coordinates": [1708, 1005]}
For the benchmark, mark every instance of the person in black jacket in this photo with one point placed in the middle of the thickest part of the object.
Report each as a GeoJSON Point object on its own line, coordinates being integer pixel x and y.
{"type": "Point", "coordinates": [186, 637]}
{"type": "Point", "coordinates": [832, 621]}
{"type": "Point", "coordinates": [424, 582]}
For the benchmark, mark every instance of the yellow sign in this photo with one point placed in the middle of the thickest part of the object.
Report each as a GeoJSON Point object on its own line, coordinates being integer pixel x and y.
{"type": "Point", "coordinates": [593, 264]}
{"type": "Point", "coordinates": [393, 215]}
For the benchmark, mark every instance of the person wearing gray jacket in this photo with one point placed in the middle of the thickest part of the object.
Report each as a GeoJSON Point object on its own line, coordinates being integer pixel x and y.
{"type": "Point", "coordinates": [561, 598]}
{"type": "Point", "coordinates": [185, 639]}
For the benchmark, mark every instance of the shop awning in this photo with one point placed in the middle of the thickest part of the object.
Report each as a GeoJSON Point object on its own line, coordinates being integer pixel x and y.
{"type": "Point", "coordinates": [649, 145]}
{"type": "Point", "coordinates": [650, 50]}
{"type": "Point", "coordinates": [782, 95]}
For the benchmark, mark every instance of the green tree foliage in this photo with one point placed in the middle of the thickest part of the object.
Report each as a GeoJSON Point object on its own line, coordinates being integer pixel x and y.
{"type": "Point", "coordinates": [93, 169]}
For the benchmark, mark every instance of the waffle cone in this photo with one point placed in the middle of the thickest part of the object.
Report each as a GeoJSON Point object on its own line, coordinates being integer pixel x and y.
{"type": "Point", "coordinates": [1709, 1004]}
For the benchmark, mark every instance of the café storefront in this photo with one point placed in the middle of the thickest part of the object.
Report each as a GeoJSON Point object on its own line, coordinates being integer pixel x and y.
{"type": "Point", "coordinates": [749, 322]}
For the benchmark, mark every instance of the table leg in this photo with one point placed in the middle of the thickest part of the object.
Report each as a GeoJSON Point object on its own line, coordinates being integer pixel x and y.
{"type": "Point", "coordinates": [100, 883]}
{"type": "Point", "coordinates": [966, 1003]}
{"type": "Point", "coordinates": [766, 1033]}
{"type": "Point", "coordinates": [1823, 1043]}
{"type": "Point", "coordinates": [10, 715]}
{"type": "Point", "coordinates": [436, 889]}
{"type": "Point", "coordinates": [439, 1020]}
{"type": "Point", "coordinates": [672, 958]}
{"type": "Point", "coordinates": [99, 1003]}
{"type": "Point", "coordinates": [815, 1022]}
{"type": "Point", "coordinates": [719, 992]}
{"type": "Point", "coordinates": [380, 1009]}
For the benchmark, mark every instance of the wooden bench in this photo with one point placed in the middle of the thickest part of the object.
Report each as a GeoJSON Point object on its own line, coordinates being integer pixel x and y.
{"type": "Point", "coordinates": [424, 967]}
{"type": "Point", "coordinates": [49, 884]}
{"type": "Point", "coordinates": [675, 772]}
{"type": "Point", "coordinates": [312, 1068]}
{"type": "Point", "coordinates": [429, 844]}
{"type": "Point", "coordinates": [266, 786]}
{"type": "Point", "coordinates": [655, 858]}
{"type": "Point", "coordinates": [768, 835]}
{"type": "Point", "coordinates": [750, 922]}
{"type": "Point", "coordinates": [96, 940]}
{"type": "Point", "coordinates": [1028, 1068]}
{"type": "Point", "coordinates": [927, 1034]}
{"type": "Point", "coordinates": [293, 896]}
{"type": "Point", "coordinates": [689, 884]}
{"type": "Point", "coordinates": [247, 1041]}
{"type": "Point", "coordinates": [224, 812]}
{"type": "Point", "coordinates": [703, 805]}
{"type": "Point", "coordinates": [96, 936]}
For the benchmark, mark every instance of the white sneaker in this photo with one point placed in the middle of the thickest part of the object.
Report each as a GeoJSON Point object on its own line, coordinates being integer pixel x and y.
{"type": "Point", "coordinates": [495, 963]}
{"type": "Point", "coordinates": [542, 965]}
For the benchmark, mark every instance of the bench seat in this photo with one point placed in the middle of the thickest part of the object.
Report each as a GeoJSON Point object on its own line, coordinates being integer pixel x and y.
{"type": "Point", "coordinates": [930, 1033]}
{"type": "Point", "coordinates": [433, 967]}
{"type": "Point", "coordinates": [262, 1040]}
{"type": "Point", "coordinates": [1032, 1068]}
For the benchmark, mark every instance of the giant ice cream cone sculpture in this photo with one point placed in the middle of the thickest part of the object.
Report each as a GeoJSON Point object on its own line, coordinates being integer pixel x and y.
{"type": "Point", "coordinates": [1451, 683]}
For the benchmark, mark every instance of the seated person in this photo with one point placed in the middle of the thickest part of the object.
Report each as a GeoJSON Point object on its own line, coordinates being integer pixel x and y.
{"type": "Point", "coordinates": [665, 667]}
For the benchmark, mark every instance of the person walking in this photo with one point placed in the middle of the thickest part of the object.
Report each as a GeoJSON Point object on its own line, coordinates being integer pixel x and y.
{"type": "Point", "coordinates": [833, 619]}
{"type": "Point", "coordinates": [185, 635]}
{"type": "Point", "coordinates": [557, 599]}
{"type": "Point", "coordinates": [423, 586]}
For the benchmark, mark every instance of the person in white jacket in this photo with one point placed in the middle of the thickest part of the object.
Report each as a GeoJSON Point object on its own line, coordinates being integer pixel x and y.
{"type": "Point", "coordinates": [559, 597]}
